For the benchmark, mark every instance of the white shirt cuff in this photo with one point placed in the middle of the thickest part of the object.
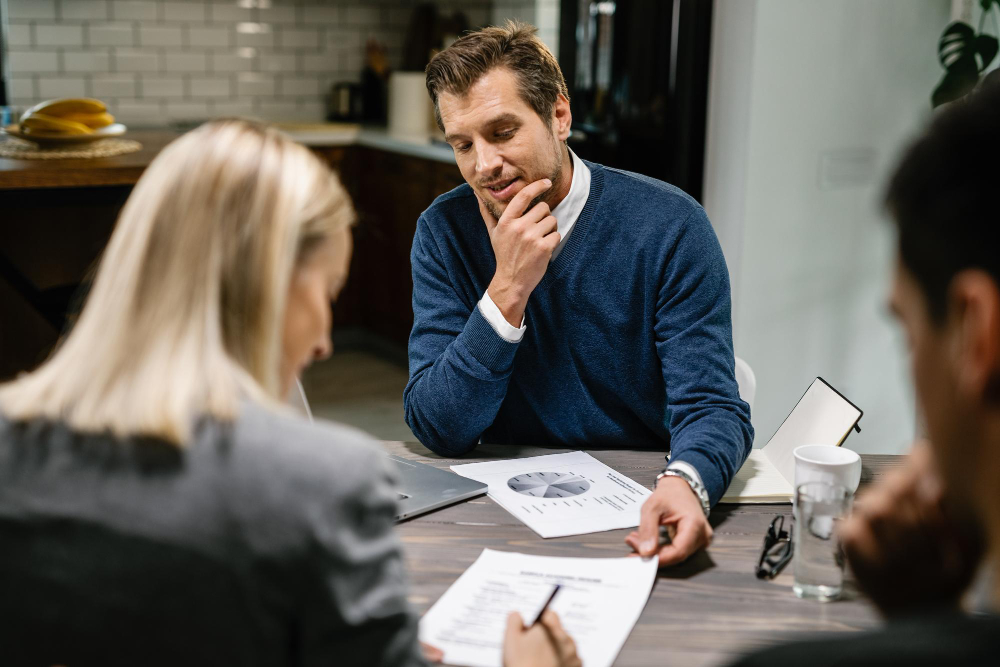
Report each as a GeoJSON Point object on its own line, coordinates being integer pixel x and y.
{"type": "Point", "coordinates": [496, 319]}
{"type": "Point", "coordinates": [685, 467]}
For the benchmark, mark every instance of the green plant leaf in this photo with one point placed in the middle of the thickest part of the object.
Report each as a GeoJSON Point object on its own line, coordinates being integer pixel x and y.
{"type": "Point", "coordinates": [955, 43]}
{"type": "Point", "coordinates": [955, 84]}
{"type": "Point", "coordinates": [985, 48]}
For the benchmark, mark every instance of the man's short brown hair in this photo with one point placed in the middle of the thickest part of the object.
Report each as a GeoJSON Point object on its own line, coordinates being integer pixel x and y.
{"type": "Point", "coordinates": [513, 45]}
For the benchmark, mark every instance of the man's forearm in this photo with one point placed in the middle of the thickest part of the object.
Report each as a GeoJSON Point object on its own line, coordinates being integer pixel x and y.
{"type": "Point", "coordinates": [452, 401]}
{"type": "Point", "coordinates": [511, 300]}
{"type": "Point", "coordinates": [715, 446]}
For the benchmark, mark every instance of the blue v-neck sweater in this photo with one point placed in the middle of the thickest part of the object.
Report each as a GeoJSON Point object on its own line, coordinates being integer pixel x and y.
{"type": "Point", "coordinates": [628, 341]}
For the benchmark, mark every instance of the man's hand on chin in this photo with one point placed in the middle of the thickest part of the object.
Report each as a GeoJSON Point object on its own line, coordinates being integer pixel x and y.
{"type": "Point", "coordinates": [674, 505]}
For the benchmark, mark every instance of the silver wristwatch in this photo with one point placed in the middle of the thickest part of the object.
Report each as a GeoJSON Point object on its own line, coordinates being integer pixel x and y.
{"type": "Point", "coordinates": [696, 486]}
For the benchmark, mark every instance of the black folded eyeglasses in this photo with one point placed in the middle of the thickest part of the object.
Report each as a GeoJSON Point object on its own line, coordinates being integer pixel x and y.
{"type": "Point", "coordinates": [777, 549]}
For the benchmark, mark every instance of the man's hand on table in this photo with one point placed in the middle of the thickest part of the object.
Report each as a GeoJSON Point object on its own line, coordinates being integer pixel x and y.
{"type": "Point", "coordinates": [523, 243]}
{"type": "Point", "coordinates": [675, 506]}
{"type": "Point", "coordinates": [908, 551]}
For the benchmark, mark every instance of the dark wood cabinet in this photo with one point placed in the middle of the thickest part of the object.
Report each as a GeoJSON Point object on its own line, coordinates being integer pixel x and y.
{"type": "Point", "coordinates": [52, 236]}
{"type": "Point", "coordinates": [390, 191]}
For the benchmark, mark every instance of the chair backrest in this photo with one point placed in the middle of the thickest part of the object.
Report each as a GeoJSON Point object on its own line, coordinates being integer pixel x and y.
{"type": "Point", "coordinates": [747, 381]}
{"type": "Point", "coordinates": [75, 593]}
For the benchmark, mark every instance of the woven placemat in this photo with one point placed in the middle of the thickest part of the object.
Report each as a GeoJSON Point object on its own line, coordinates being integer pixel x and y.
{"type": "Point", "coordinates": [11, 147]}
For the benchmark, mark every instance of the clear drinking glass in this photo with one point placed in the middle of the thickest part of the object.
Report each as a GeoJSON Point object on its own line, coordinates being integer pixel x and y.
{"type": "Point", "coordinates": [819, 560]}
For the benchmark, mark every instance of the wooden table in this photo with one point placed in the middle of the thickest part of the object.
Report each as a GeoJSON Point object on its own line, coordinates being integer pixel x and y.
{"type": "Point", "coordinates": [703, 612]}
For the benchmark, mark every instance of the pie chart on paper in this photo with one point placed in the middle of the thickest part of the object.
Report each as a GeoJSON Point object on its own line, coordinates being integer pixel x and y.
{"type": "Point", "coordinates": [548, 484]}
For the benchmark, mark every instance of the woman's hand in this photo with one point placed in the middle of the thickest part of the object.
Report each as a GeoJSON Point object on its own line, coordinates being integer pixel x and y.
{"type": "Point", "coordinates": [544, 644]}
{"type": "Point", "coordinates": [432, 654]}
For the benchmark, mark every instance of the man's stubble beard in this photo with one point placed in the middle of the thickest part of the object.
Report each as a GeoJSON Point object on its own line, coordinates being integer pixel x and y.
{"type": "Point", "coordinates": [555, 177]}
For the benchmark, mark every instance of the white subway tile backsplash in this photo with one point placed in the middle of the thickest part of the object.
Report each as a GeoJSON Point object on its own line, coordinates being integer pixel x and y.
{"type": "Point", "coordinates": [214, 37]}
{"type": "Point", "coordinates": [312, 110]}
{"type": "Point", "coordinates": [19, 35]}
{"type": "Point", "coordinates": [86, 61]}
{"type": "Point", "coordinates": [255, 39]}
{"type": "Point", "coordinates": [154, 86]}
{"type": "Point", "coordinates": [338, 38]}
{"type": "Point", "coordinates": [351, 60]}
{"type": "Point", "coordinates": [188, 59]}
{"type": "Point", "coordinates": [279, 110]}
{"type": "Point", "coordinates": [58, 35]}
{"type": "Point", "coordinates": [161, 36]}
{"type": "Point", "coordinates": [278, 62]}
{"type": "Point", "coordinates": [362, 15]}
{"type": "Point", "coordinates": [318, 62]}
{"type": "Point", "coordinates": [31, 9]}
{"type": "Point", "coordinates": [137, 60]}
{"type": "Point", "coordinates": [51, 87]}
{"type": "Point", "coordinates": [83, 10]}
{"type": "Point", "coordinates": [231, 62]}
{"type": "Point", "coordinates": [139, 112]}
{"type": "Point", "coordinates": [211, 86]}
{"type": "Point", "coordinates": [299, 86]}
{"type": "Point", "coordinates": [299, 38]}
{"type": "Point", "coordinates": [111, 34]}
{"type": "Point", "coordinates": [276, 13]}
{"type": "Point", "coordinates": [22, 90]}
{"type": "Point", "coordinates": [113, 85]}
{"type": "Point", "coordinates": [193, 12]}
{"type": "Point", "coordinates": [33, 62]}
{"type": "Point", "coordinates": [134, 10]}
{"type": "Point", "coordinates": [188, 111]}
{"type": "Point", "coordinates": [228, 12]}
{"type": "Point", "coordinates": [186, 62]}
{"type": "Point", "coordinates": [315, 15]}
{"type": "Point", "coordinates": [234, 108]}
{"type": "Point", "coordinates": [249, 83]}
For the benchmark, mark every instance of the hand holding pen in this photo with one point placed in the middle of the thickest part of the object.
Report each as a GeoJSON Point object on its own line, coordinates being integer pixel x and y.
{"type": "Point", "coordinates": [543, 643]}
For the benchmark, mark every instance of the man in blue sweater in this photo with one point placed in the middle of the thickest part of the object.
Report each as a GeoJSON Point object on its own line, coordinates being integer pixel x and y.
{"type": "Point", "coordinates": [561, 302]}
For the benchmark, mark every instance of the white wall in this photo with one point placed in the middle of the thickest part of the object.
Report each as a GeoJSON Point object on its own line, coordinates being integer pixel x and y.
{"type": "Point", "coordinates": [794, 81]}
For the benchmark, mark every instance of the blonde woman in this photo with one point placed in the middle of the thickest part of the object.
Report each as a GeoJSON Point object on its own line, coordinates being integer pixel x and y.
{"type": "Point", "coordinates": [158, 505]}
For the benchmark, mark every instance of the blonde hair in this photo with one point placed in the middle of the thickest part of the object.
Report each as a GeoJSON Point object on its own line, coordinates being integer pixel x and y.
{"type": "Point", "coordinates": [185, 315]}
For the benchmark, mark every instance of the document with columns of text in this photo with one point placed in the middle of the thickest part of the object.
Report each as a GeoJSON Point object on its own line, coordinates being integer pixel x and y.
{"type": "Point", "coordinates": [598, 604]}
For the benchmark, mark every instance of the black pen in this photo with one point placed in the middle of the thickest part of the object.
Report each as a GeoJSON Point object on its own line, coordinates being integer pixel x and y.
{"type": "Point", "coordinates": [546, 605]}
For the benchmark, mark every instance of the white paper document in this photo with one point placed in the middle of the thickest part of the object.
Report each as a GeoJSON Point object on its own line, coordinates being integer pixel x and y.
{"type": "Point", "coordinates": [561, 494]}
{"type": "Point", "coordinates": [598, 604]}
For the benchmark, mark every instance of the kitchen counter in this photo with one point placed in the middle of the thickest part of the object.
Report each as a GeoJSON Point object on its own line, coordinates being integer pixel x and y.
{"type": "Point", "coordinates": [342, 134]}
{"type": "Point", "coordinates": [119, 170]}
{"type": "Point", "coordinates": [57, 215]}
{"type": "Point", "coordinates": [126, 169]}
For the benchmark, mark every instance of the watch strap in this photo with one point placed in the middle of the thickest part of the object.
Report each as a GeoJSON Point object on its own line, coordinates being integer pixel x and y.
{"type": "Point", "coordinates": [696, 487]}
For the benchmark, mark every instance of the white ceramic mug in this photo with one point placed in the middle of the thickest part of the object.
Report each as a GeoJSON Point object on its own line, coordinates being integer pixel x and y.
{"type": "Point", "coordinates": [826, 463]}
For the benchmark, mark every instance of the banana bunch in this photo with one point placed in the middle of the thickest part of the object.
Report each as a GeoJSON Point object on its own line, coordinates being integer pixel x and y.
{"type": "Point", "coordinates": [66, 117]}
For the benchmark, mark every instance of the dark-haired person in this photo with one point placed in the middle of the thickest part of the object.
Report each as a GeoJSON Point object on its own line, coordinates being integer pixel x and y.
{"type": "Point", "coordinates": [916, 540]}
{"type": "Point", "coordinates": [562, 302]}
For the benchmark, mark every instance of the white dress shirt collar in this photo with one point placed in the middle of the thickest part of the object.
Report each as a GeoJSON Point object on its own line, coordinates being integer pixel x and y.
{"type": "Point", "coordinates": [569, 209]}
